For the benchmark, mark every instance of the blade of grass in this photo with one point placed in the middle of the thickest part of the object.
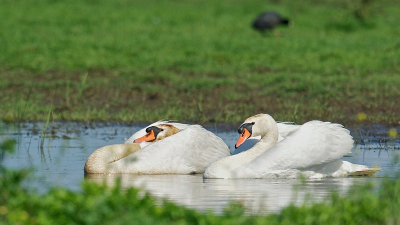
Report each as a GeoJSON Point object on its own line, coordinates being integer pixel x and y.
{"type": "Point", "coordinates": [21, 115]}
{"type": "Point", "coordinates": [44, 131]}
{"type": "Point", "coordinates": [67, 94]}
{"type": "Point", "coordinates": [82, 86]}
{"type": "Point", "coordinates": [200, 105]}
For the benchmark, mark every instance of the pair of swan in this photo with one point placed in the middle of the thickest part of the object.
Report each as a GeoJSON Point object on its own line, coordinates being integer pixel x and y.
{"type": "Point", "coordinates": [312, 150]}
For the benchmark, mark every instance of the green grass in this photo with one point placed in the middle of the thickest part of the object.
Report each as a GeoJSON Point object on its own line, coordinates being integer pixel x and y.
{"type": "Point", "coordinates": [151, 60]}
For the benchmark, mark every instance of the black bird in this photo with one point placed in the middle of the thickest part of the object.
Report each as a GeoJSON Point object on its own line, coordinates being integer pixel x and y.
{"type": "Point", "coordinates": [268, 21]}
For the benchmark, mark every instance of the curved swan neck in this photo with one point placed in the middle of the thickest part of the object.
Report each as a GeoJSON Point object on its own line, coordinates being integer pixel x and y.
{"type": "Point", "coordinates": [267, 128]}
{"type": "Point", "coordinates": [271, 136]}
{"type": "Point", "coordinates": [264, 125]}
{"type": "Point", "coordinates": [101, 159]}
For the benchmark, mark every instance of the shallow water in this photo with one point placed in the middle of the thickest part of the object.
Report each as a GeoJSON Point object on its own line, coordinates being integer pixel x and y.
{"type": "Point", "coordinates": [66, 147]}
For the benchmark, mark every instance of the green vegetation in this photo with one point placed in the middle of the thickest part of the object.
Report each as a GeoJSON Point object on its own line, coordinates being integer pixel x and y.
{"type": "Point", "coordinates": [198, 61]}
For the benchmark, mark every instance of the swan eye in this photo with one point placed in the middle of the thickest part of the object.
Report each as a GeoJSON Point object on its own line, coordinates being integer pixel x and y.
{"type": "Point", "coordinates": [153, 129]}
{"type": "Point", "coordinates": [248, 126]}
{"type": "Point", "coordinates": [253, 123]}
{"type": "Point", "coordinates": [240, 130]}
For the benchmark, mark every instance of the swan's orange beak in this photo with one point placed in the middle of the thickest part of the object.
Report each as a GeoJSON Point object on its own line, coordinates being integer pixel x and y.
{"type": "Point", "coordinates": [147, 137]}
{"type": "Point", "coordinates": [243, 137]}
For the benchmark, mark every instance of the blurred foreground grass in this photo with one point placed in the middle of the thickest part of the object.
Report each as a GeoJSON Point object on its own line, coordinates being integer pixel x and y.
{"type": "Point", "coordinates": [198, 61]}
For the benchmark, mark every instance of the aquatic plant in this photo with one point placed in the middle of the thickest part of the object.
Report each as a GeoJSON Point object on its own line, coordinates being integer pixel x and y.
{"type": "Point", "coordinates": [45, 128]}
{"type": "Point", "coordinates": [82, 86]}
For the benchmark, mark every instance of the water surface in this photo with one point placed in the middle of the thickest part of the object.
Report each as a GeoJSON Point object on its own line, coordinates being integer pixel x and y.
{"type": "Point", "coordinates": [59, 161]}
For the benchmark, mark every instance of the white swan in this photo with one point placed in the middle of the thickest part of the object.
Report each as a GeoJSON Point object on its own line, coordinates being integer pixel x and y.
{"type": "Point", "coordinates": [313, 150]}
{"type": "Point", "coordinates": [168, 151]}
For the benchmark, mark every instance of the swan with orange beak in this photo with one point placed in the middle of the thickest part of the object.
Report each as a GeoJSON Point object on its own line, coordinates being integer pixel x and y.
{"type": "Point", "coordinates": [163, 149]}
{"type": "Point", "coordinates": [312, 150]}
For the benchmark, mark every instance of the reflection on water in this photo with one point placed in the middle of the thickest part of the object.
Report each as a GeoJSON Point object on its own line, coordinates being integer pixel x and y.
{"type": "Point", "coordinates": [258, 195]}
{"type": "Point", "coordinates": [67, 145]}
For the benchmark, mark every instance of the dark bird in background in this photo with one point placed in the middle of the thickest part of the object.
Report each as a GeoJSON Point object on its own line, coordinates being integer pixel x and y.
{"type": "Point", "coordinates": [267, 21]}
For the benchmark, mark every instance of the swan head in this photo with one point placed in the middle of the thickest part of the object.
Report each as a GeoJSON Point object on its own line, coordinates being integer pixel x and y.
{"type": "Point", "coordinates": [157, 133]}
{"type": "Point", "coordinates": [258, 125]}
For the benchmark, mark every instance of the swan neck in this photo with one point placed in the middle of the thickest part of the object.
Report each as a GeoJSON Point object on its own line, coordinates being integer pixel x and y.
{"type": "Point", "coordinates": [270, 137]}
{"type": "Point", "coordinates": [101, 160]}
{"type": "Point", "coordinates": [267, 141]}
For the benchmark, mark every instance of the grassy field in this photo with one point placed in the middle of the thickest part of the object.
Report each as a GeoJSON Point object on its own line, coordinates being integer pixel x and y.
{"type": "Point", "coordinates": [198, 61]}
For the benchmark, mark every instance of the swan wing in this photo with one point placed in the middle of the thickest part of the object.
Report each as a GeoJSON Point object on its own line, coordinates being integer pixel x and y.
{"type": "Point", "coordinates": [313, 143]}
{"type": "Point", "coordinates": [203, 148]}
{"type": "Point", "coordinates": [189, 151]}
{"type": "Point", "coordinates": [286, 129]}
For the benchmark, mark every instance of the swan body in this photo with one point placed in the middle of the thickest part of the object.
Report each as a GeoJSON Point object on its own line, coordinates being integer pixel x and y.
{"type": "Point", "coordinates": [187, 151]}
{"type": "Point", "coordinates": [312, 150]}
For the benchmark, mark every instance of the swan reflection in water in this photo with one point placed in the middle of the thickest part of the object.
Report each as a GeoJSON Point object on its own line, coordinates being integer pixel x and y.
{"type": "Point", "coordinates": [257, 195]}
